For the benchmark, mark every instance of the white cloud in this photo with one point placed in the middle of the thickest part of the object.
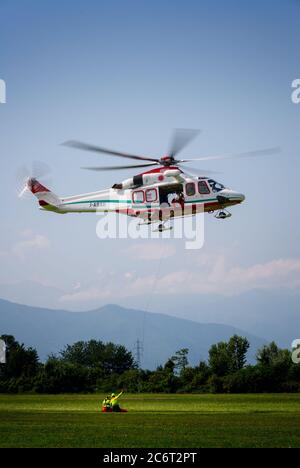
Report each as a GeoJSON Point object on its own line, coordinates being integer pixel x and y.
{"type": "Point", "coordinates": [151, 251]}
{"type": "Point", "coordinates": [277, 273]}
{"type": "Point", "coordinates": [222, 279]}
{"type": "Point", "coordinates": [129, 275]}
{"type": "Point", "coordinates": [86, 295]}
{"type": "Point", "coordinates": [33, 241]}
{"type": "Point", "coordinates": [218, 277]}
{"type": "Point", "coordinates": [211, 275]}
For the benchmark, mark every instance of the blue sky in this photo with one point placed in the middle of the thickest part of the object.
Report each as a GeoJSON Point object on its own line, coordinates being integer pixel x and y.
{"type": "Point", "coordinates": [123, 74]}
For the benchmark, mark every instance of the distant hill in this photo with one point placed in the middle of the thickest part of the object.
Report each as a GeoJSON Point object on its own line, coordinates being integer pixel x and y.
{"type": "Point", "coordinates": [272, 315]}
{"type": "Point", "coordinates": [50, 330]}
{"type": "Point", "coordinates": [269, 314]}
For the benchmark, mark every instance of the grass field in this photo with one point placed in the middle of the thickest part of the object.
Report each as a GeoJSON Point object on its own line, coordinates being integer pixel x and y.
{"type": "Point", "coordinates": [152, 421]}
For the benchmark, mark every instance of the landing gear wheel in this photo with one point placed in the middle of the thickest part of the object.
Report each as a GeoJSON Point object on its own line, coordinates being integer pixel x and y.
{"type": "Point", "coordinates": [223, 214]}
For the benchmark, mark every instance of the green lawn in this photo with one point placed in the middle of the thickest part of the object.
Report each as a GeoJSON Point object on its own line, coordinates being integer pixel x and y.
{"type": "Point", "coordinates": [152, 421]}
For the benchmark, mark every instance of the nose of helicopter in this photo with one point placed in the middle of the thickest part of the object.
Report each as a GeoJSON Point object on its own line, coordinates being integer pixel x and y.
{"type": "Point", "coordinates": [236, 197]}
{"type": "Point", "coordinates": [240, 197]}
{"type": "Point", "coordinates": [228, 195]}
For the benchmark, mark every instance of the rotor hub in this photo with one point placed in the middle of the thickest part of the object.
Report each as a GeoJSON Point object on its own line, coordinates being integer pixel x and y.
{"type": "Point", "coordinates": [167, 160]}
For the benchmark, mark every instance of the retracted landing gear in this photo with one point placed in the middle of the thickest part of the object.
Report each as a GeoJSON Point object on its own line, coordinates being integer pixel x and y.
{"type": "Point", "coordinates": [160, 228]}
{"type": "Point", "coordinates": [145, 223]}
{"type": "Point", "coordinates": [223, 214]}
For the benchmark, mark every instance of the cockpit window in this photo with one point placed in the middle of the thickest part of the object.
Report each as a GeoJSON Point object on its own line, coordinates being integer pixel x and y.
{"type": "Point", "coordinates": [203, 188]}
{"type": "Point", "coordinates": [215, 186]}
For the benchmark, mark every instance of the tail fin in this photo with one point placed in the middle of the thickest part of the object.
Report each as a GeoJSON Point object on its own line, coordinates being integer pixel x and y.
{"type": "Point", "coordinates": [47, 199]}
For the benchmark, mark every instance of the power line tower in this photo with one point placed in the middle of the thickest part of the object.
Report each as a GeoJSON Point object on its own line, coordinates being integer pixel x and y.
{"type": "Point", "coordinates": [138, 352]}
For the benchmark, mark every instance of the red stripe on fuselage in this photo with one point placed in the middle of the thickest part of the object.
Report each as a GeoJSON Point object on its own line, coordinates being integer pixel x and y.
{"type": "Point", "coordinates": [161, 170]}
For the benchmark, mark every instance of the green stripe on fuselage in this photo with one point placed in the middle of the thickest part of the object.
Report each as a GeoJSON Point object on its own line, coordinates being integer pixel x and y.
{"type": "Point", "coordinates": [97, 201]}
{"type": "Point", "coordinates": [119, 202]}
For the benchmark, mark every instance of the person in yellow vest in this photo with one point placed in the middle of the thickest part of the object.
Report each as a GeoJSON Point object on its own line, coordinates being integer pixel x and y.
{"type": "Point", "coordinates": [115, 404]}
{"type": "Point", "coordinates": [106, 405]}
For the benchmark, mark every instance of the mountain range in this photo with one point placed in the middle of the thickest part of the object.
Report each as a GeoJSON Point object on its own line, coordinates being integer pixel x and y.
{"type": "Point", "coordinates": [270, 314]}
{"type": "Point", "coordinates": [49, 330]}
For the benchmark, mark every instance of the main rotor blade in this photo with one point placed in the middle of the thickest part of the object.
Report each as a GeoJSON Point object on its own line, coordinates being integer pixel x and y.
{"type": "Point", "coordinates": [263, 152]}
{"type": "Point", "coordinates": [196, 171]}
{"type": "Point", "coordinates": [116, 168]}
{"type": "Point", "coordinates": [181, 138]}
{"type": "Point", "coordinates": [99, 149]}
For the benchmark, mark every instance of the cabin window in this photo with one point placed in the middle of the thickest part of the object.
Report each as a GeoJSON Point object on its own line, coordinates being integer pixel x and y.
{"type": "Point", "coordinates": [203, 187]}
{"type": "Point", "coordinates": [215, 186]}
{"type": "Point", "coordinates": [151, 195]}
{"type": "Point", "coordinates": [190, 189]}
{"type": "Point", "coordinates": [138, 197]}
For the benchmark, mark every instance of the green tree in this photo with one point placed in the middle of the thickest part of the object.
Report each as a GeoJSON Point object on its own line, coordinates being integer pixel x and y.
{"type": "Point", "coordinates": [219, 359]}
{"type": "Point", "coordinates": [20, 361]}
{"type": "Point", "coordinates": [105, 358]}
{"type": "Point", "coordinates": [228, 357]}
{"type": "Point", "coordinates": [201, 376]}
{"type": "Point", "coordinates": [170, 365]}
{"type": "Point", "coordinates": [162, 380]}
{"type": "Point", "coordinates": [275, 365]}
{"type": "Point", "coordinates": [180, 360]}
{"type": "Point", "coordinates": [268, 354]}
{"type": "Point", "coordinates": [60, 376]}
{"type": "Point", "coordinates": [85, 353]}
{"type": "Point", "coordinates": [237, 349]}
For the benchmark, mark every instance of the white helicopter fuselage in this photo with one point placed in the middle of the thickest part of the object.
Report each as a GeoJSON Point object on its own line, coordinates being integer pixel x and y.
{"type": "Point", "coordinates": [155, 195]}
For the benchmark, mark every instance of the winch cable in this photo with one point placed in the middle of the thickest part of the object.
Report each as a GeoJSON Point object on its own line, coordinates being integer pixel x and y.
{"type": "Point", "coordinates": [150, 296]}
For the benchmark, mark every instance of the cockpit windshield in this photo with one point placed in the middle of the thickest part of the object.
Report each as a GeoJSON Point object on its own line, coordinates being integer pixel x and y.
{"type": "Point", "coordinates": [215, 186]}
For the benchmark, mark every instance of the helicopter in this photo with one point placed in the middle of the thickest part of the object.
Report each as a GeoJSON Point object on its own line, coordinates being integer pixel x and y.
{"type": "Point", "coordinates": [167, 190]}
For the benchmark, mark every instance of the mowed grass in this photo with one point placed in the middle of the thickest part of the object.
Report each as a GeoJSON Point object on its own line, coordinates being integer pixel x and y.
{"type": "Point", "coordinates": [152, 421]}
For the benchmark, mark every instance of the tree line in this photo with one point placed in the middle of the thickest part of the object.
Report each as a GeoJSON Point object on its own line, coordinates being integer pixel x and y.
{"type": "Point", "coordinates": [94, 366]}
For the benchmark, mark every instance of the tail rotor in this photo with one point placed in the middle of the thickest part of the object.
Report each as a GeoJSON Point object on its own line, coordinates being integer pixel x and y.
{"type": "Point", "coordinates": [26, 176]}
